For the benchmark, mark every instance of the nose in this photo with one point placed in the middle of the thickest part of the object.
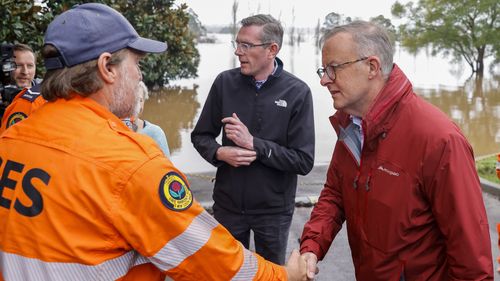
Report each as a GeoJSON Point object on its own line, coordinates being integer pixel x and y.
{"type": "Point", "coordinates": [325, 80]}
{"type": "Point", "coordinates": [238, 51]}
{"type": "Point", "coordinates": [24, 69]}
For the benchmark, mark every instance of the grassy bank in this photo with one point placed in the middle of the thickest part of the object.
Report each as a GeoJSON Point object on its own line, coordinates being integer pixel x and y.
{"type": "Point", "coordinates": [486, 169]}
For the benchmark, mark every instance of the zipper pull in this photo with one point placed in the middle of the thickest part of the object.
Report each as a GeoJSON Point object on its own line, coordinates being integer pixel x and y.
{"type": "Point", "coordinates": [367, 184]}
{"type": "Point", "coordinates": [355, 183]}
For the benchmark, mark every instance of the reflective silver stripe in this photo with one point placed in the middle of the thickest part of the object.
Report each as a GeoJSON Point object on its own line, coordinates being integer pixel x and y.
{"type": "Point", "coordinates": [16, 267]}
{"type": "Point", "coordinates": [249, 267]}
{"type": "Point", "coordinates": [186, 244]}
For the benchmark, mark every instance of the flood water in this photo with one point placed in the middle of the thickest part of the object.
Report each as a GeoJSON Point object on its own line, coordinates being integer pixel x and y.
{"type": "Point", "coordinates": [474, 106]}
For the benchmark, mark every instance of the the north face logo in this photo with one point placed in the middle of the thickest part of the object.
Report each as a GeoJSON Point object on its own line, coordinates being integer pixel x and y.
{"type": "Point", "coordinates": [281, 103]}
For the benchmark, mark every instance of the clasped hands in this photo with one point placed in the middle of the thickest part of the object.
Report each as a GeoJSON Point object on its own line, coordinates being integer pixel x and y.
{"type": "Point", "coordinates": [242, 154]}
{"type": "Point", "coordinates": [302, 267]}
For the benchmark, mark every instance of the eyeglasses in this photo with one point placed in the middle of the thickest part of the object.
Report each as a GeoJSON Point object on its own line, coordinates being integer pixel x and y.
{"type": "Point", "coordinates": [245, 47]}
{"type": "Point", "coordinates": [330, 69]}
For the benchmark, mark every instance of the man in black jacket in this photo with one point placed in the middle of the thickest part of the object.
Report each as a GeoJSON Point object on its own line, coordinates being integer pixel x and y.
{"type": "Point", "coordinates": [268, 138]}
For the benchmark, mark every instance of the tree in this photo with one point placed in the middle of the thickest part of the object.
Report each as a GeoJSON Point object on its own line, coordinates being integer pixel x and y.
{"type": "Point", "coordinates": [387, 24]}
{"type": "Point", "coordinates": [465, 29]}
{"type": "Point", "coordinates": [158, 19]}
{"type": "Point", "coordinates": [24, 22]}
{"type": "Point", "coordinates": [195, 25]}
{"type": "Point", "coordinates": [333, 19]}
{"type": "Point", "coordinates": [234, 11]}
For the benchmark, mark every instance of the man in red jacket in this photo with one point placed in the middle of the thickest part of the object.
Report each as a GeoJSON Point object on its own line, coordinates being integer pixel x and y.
{"type": "Point", "coordinates": [402, 175]}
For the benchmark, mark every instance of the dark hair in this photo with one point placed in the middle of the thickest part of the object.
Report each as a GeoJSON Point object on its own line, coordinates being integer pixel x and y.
{"type": "Point", "coordinates": [371, 40]}
{"type": "Point", "coordinates": [82, 79]}
{"type": "Point", "coordinates": [272, 31]}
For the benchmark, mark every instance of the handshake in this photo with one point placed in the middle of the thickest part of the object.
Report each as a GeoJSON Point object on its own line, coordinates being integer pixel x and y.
{"type": "Point", "coordinates": [301, 267]}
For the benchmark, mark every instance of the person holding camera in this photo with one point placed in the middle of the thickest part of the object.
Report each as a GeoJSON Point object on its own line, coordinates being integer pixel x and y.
{"type": "Point", "coordinates": [28, 99]}
{"type": "Point", "coordinates": [25, 58]}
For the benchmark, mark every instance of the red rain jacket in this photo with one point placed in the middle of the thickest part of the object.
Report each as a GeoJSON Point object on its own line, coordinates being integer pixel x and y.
{"type": "Point", "coordinates": [413, 204]}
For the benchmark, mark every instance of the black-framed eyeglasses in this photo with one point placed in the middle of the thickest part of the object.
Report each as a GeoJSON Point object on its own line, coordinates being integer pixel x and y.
{"type": "Point", "coordinates": [245, 47]}
{"type": "Point", "coordinates": [330, 69]}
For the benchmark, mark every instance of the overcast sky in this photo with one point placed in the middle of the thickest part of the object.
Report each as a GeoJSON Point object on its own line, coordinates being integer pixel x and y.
{"type": "Point", "coordinates": [307, 12]}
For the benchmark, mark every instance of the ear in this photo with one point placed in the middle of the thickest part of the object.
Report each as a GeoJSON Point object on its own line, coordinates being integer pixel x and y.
{"type": "Point", "coordinates": [375, 67]}
{"type": "Point", "coordinates": [108, 72]}
{"type": "Point", "coordinates": [273, 50]}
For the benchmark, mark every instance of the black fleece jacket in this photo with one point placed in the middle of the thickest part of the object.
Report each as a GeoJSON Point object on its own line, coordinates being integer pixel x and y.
{"type": "Point", "coordinates": [279, 116]}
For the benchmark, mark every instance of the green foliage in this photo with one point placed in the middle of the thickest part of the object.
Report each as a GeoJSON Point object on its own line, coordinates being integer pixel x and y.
{"type": "Point", "coordinates": [24, 22]}
{"type": "Point", "coordinates": [463, 29]}
{"type": "Point", "coordinates": [486, 169]}
{"type": "Point", "coordinates": [158, 19]}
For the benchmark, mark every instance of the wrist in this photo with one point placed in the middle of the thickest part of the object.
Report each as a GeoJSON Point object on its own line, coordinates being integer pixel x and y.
{"type": "Point", "coordinates": [250, 144]}
{"type": "Point", "coordinates": [218, 153]}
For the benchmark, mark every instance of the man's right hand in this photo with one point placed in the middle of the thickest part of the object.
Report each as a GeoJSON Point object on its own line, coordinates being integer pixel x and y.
{"type": "Point", "coordinates": [312, 265]}
{"type": "Point", "coordinates": [296, 267]}
{"type": "Point", "coordinates": [235, 156]}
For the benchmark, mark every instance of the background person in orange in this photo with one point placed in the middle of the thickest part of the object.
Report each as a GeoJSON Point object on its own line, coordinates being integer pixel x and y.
{"type": "Point", "coordinates": [82, 197]}
{"type": "Point", "coordinates": [25, 103]}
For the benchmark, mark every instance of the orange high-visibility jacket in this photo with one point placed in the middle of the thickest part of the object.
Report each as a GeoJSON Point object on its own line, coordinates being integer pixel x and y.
{"type": "Point", "coordinates": [25, 103]}
{"type": "Point", "coordinates": [84, 198]}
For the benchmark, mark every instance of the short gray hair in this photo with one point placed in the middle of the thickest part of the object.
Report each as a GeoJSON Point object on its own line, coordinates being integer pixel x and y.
{"type": "Point", "coordinates": [371, 40]}
{"type": "Point", "coordinates": [272, 31]}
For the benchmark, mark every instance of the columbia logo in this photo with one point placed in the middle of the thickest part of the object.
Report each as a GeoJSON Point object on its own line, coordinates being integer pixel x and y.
{"type": "Point", "coordinates": [388, 171]}
{"type": "Point", "coordinates": [281, 103]}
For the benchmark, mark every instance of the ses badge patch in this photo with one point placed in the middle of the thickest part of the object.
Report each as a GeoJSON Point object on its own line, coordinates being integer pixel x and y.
{"type": "Point", "coordinates": [15, 118]}
{"type": "Point", "coordinates": [174, 192]}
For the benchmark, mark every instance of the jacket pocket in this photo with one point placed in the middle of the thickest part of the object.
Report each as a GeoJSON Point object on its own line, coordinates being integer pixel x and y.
{"type": "Point", "coordinates": [388, 207]}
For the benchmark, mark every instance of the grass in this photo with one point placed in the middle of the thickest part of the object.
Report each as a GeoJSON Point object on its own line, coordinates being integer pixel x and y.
{"type": "Point", "coordinates": [486, 169]}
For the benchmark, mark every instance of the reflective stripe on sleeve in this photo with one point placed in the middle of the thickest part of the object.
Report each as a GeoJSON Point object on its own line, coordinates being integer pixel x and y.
{"type": "Point", "coordinates": [249, 267]}
{"type": "Point", "coordinates": [186, 244]}
{"type": "Point", "coordinates": [16, 267]}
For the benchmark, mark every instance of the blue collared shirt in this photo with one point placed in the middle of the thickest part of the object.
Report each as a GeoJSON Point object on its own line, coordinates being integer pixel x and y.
{"type": "Point", "coordinates": [359, 132]}
{"type": "Point", "coordinates": [259, 83]}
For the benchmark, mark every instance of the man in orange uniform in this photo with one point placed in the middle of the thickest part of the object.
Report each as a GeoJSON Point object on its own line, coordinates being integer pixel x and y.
{"type": "Point", "coordinates": [84, 198]}
{"type": "Point", "coordinates": [25, 103]}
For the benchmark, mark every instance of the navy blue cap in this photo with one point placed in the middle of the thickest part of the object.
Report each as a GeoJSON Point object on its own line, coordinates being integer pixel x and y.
{"type": "Point", "coordinates": [86, 31]}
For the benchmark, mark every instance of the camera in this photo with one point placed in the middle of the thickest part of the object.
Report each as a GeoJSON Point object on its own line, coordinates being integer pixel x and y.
{"type": "Point", "coordinates": [8, 90]}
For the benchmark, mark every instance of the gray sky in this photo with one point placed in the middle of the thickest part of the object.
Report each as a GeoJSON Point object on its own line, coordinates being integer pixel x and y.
{"type": "Point", "coordinates": [307, 12]}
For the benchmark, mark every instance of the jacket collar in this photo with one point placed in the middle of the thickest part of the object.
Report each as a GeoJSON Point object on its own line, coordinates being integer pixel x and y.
{"type": "Point", "coordinates": [378, 119]}
{"type": "Point", "coordinates": [275, 74]}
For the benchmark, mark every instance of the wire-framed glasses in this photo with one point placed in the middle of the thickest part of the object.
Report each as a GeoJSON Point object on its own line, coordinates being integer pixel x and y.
{"type": "Point", "coordinates": [245, 47]}
{"type": "Point", "coordinates": [331, 68]}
